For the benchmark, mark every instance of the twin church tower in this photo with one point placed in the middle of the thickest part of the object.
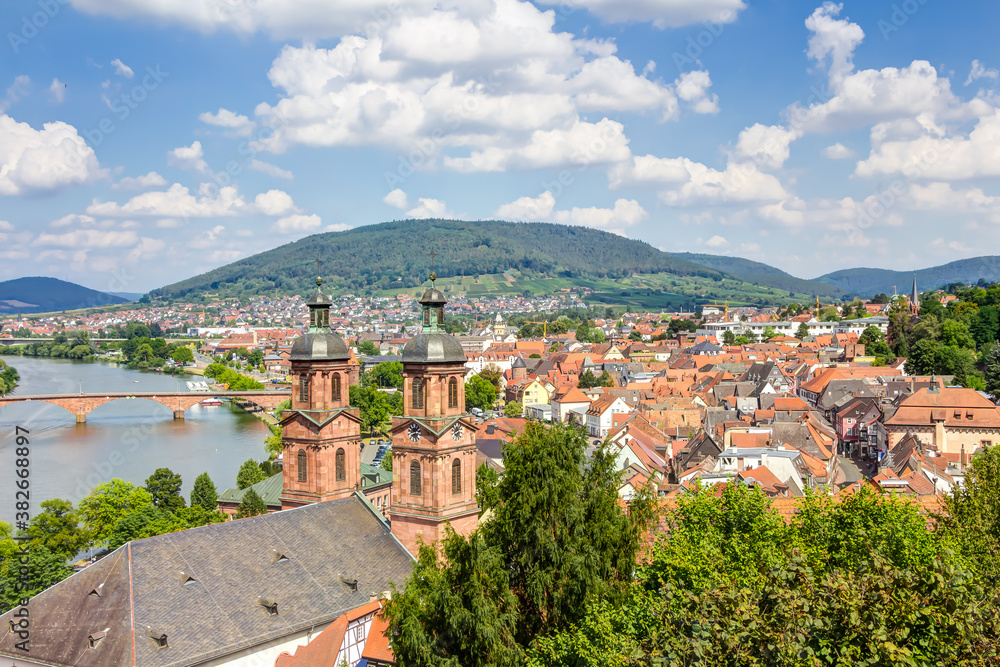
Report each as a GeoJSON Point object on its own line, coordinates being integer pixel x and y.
{"type": "Point", "coordinates": [433, 443]}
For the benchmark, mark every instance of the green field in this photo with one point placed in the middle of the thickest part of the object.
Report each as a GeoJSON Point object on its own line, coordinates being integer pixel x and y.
{"type": "Point", "coordinates": [651, 291]}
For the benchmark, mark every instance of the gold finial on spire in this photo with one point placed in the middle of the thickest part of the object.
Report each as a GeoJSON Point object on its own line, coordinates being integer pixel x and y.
{"type": "Point", "coordinates": [319, 281]}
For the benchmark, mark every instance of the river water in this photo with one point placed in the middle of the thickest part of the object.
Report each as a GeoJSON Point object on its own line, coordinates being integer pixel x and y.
{"type": "Point", "coordinates": [128, 438]}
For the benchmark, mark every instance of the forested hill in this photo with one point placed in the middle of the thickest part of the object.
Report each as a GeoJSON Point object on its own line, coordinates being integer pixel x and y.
{"type": "Point", "coordinates": [44, 295]}
{"type": "Point", "coordinates": [397, 255]}
{"type": "Point", "coordinates": [867, 282]}
{"type": "Point", "coordinates": [760, 273]}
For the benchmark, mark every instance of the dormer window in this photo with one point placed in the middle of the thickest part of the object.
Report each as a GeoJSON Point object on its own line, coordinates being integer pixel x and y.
{"type": "Point", "coordinates": [159, 638]}
{"type": "Point", "coordinates": [280, 557]}
{"type": "Point", "coordinates": [187, 579]}
{"type": "Point", "coordinates": [95, 638]}
{"type": "Point", "coordinates": [271, 606]}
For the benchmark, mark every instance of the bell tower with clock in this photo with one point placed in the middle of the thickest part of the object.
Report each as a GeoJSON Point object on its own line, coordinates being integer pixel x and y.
{"type": "Point", "coordinates": [434, 442]}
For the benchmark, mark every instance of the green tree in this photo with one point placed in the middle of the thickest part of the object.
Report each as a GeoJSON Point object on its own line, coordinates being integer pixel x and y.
{"type": "Point", "coordinates": [956, 334]}
{"type": "Point", "coordinates": [368, 348]}
{"type": "Point", "coordinates": [164, 485]}
{"type": "Point", "coordinates": [251, 505]}
{"type": "Point", "coordinates": [728, 338]}
{"type": "Point", "coordinates": [479, 393]}
{"type": "Point", "coordinates": [182, 355]}
{"type": "Point", "coordinates": [871, 335]}
{"type": "Point", "coordinates": [769, 333]}
{"type": "Point", "coordinates": [589, 380]}
{"type": "Point", "coordinates": [923, 359]}
{"type": "Point", "coordinates": [57, 528]}
{"type": "Point", "coordinates": [385, 374]}
{"type": "Point", "coordinates": [374, 405]}
{"type": "Point", "coordinates": [249, 474]}
{"type": "Point", "coordinates": [802, 331]}
{"type": "Point", "coordinates": [492, 374]}
{"type": "Point", "coordinates": [109, 502]}
{"type": "Point", "coordinates": [204, 493]}
{"type": "Point", "coordinates": [387, 461]}
{"type": "Point", "coordinates": [512, 409]}
{"type": "Point", "coordinates": [992, 370]}
{"type": "Point", "coordinates": [557, 539]}
{"type": "Point", "coordinates": [45, 569]}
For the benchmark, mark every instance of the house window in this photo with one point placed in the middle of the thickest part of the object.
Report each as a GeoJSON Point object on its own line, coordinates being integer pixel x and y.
{"type": "Point", "coordinates": [417, 394]}
{"type": "Point", "coordinates": [341, 473]}
{"type": "Point", "coordinates": [452, 393]}
{"type": "Point", "coordinates": [302, 465]}
{"type": "Point", "coordinates": [304, 388]}
{"type": "Point", "coordinates": [456, 477]}
{"type": "Point", "coordinates": [427, 317]}
{"type": "Point", "coordinates": [986, 443]}
{"type": "Point", "coordinates": [335, 387]}
{"type": "Point", "coordinates": [415, 478]}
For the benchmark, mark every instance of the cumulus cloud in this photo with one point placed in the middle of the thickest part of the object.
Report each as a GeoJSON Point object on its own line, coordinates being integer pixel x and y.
{"type": "Point", "coordinates": [17, 90]}
{"type": "Point", "coordinates": [978, 71]}
{"type": "Point", "coordinates": [274, 202]}
{"type": "Point", "coordinates": [144, 182]}
{"type": "Point", "coordinates": [190, 158]}
{"type": "Point", "coordinates": [430, 208]}
{"type": "Point", "coordinates": [397, 199]}
{"type": "Point", "coordinates": [237, 124]}
{"type": "Point", "coordinates": [767, 146]}
{"type": "Point", "coordinates": [294, 224]}
{"type": "Point", "coordinates": [716, 242]}
{"type": "Point", "coordinates": [838, 151]}
{"type": "Point", "coordinates": [177, 202]}
{"type": "Point", "coordinates": [692, 87]}
{"type": "Point", "coordinates": [121, 69]}
{"type": "Point", "coordinates": [688, 182]}
{"type": "Point", "coordinates": [88, 238]}
{"type": "Point", "coordinates": [57, 91]}
{"type": "Point", "coordinates": [269, 169]}
{"type": "Point", "coordinates": [43, 160]}
{"type": "Point", "coordinates": [625, 213]}
{"type": "Point", "coordinates": [312, 20]}
{"type": "Point", "coordinates": [833, 40]}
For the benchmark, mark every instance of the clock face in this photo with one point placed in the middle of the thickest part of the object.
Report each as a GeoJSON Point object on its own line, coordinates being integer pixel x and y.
{"type": "Point", "coordinates": [456, 431]}
{"type": "Point", "coordinates": [414, 432]}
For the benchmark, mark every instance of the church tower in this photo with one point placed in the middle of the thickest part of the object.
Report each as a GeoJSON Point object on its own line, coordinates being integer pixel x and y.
{"type": "Point", "coordinates": [499, 327]}
{"type": "Point", "coordinates": [914, 298]}
{"type": "Point", "coordinates": [321, 434]}
{"type": "Point", "coordinates": [434, 442]}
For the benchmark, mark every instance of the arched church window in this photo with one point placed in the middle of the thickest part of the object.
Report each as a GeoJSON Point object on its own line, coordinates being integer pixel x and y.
{"type": "Point", "coordinates": [335, 387]}
{"type": "Point", "coordinates": [341, 472]}
{"type": "Point", "coordinates": [453, 393]}
{"type": "Point", "coordinates": [302, 465]}
{"type": "Point", "coordinates": [417, 394]}
{"type": "Point", "coordinates": [456, 477]}
{"type": "Point", "coordinates": [304, 388]}
{"type": "Point", "coordinates": [415, 478]}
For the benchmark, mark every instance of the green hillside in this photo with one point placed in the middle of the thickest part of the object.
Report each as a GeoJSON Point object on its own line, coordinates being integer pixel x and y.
{"type": "Point", "coordinates": [867, 282]}
{"type": "Point", "coordinates": [760, 274]}
{"type": "Point", "coordinates": [395, 255]}
{"type": "Point", "coordinates": [42, 295]}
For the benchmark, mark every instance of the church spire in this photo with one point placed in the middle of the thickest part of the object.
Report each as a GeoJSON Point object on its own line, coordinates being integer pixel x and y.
{"type": "Point", "coordinates": [914, 297]}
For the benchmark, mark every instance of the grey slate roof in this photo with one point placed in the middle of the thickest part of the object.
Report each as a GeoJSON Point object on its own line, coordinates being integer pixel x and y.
{"type": "Point", "coordinates": [433, 348]}
{"type": "Point", "coordinates": [233, 565]}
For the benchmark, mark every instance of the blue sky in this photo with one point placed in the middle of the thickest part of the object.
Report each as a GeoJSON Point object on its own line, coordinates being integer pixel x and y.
{"type": "Point", "coordinates": [145, 141]}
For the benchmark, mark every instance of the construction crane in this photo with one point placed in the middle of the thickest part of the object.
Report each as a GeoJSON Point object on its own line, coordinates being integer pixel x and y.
{"type": "Point", "coordinates": [545, 326]}
{"type": "Point", "coordinates": [725, 309]}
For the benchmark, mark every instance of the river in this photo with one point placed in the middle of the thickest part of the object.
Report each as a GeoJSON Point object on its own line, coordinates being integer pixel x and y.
{"type": "Point", "coordinates": [128, 439]}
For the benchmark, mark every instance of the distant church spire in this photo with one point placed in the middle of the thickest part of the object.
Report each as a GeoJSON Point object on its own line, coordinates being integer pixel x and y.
{"type": "Point", "coordinates": [914, 297]}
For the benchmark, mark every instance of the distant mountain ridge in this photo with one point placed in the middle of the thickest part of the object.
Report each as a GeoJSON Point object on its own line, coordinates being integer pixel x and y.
{"type": "Point", "coordinates": [395, 255]}
{"type": "Point", "coordinates": [39, 294]}
{"type": "Point", "coordinates": [867, 282]}
{"type": "Point", "coordinates": [760, 273]}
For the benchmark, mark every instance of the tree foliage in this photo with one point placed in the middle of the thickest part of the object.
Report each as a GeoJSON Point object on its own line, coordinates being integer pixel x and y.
{"type": "Point", "coordinates": [164, 486]}
{"type": "Point", "coordinates": [249, 474]}
{"type": "Point", "coordinates": [204, 493]}
{"type": "Point", "coordinates": [479, 393]}
{"type": "Point", "coordinates": [107, 503]}
{"type": "Point", "coordinates": [251, 505]}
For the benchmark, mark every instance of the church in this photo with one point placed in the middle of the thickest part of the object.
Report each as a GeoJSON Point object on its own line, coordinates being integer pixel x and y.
{"type": "Point", "coordinates": [248, 592]}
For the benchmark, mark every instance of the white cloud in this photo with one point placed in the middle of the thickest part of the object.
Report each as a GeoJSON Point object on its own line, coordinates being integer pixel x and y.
{"type": "Point", "coordinates": [838, 151]}
{"type": "Point", "coordinates": [690, 182]}
{"type": "Point", "coordinates": [429, 208]}
{"type": "Point", "coordinates": [340, 227]}
{"type": "Point", "coordinates": [207, 238]}
{"type": "Point", "coordinates": [716, 242]}
{"type": "Point", "coordinates": [274, 202]}
{"type": "Point", "coordinates": [145, 249]}
{"type": "Point", "coordinates": [121, 69]}
{"type": "Point", "coordinates": [297, 223]}
{"type": "Point", "coordinates": [6, 226]}
{"type": "Point", "coordinates": [57, 91]}
{"type": "Point", "coordinates": [767, 146]}
{"type": "Point", "coordinates": [43, 160]}
{"type": "Point", "coordinates": [661, 13]}
{"type": "Point", "coordinates": [188, 157]}
{"type": "Point", "coordinates": [238, 124]}
{"type": "Point", "coordinates": [978, 71]}
{"type": "Point", "coordinates": [626, 213]}
{"type": "Point", "coordinates": [833, 40]}
{"type": "Point", "coordinates": [17, 90]}
{"type": "Point", "coordinates": [269, 169]}
{"type": "Point", "coordinates": [150, 180]}
{"type": "Point", "coordinates": [73, 219]}
{"type": "Point", "coordinates": [692, 87]}
{"type": "Point", "coordinates": [177, 202]}
{"type": "Point", "coordinates": [314, 20]}
{"type": "Point", "coordinates": [397, 199]}
{"type": "Point", "coordinates": [88, 238]}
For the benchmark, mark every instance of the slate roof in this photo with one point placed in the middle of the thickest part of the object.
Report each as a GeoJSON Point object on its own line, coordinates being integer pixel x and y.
{"type": "Point", "coordinates": [233, 565]}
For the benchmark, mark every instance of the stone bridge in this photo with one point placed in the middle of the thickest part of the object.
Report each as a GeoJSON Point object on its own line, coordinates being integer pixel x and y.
{"type": "Point", "coordinates": [81, 405]}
